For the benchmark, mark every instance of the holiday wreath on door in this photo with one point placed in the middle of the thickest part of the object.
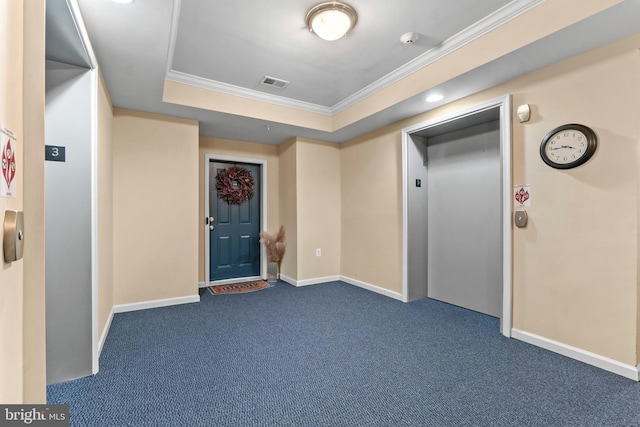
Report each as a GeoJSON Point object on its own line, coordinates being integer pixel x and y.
{"type": "Point", "coordinates": [234, 185]}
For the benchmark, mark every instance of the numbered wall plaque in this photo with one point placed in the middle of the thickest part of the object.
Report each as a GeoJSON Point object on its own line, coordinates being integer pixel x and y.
{"type": "Point", "coordinates": [54, 153]}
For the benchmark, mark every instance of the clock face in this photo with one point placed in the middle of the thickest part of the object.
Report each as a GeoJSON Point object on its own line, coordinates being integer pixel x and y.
{"type": "Point", "coordinates": [568, 146]}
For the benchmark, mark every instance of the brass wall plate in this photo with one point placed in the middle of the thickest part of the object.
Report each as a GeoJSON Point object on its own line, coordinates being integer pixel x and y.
{"type": "Point", "coordinates": [13, 232]}
{"type": "Point", "coordinates": [521, 219]}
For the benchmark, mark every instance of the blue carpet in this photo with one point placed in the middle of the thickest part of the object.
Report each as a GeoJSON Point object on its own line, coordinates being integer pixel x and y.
{"type": "Point", "coordinates": [334, 355]}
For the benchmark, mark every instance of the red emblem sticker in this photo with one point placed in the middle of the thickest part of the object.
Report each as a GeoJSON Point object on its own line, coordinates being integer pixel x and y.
{"type": "Point", "coordinates": [522, 195]}
{"type": "Point", "coordinates": [8, 180]}
{"type": "Point", "coordinates": [8, 163]}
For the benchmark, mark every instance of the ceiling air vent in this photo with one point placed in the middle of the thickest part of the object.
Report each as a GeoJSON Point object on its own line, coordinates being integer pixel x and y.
{"type": "Point", "coordinates": [273, 82]}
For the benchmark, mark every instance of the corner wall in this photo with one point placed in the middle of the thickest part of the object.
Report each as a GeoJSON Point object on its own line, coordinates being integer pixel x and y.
{"type": "Point", "coordinates": [288, 207]}
{"type": "Point", "coordinates": [12, 333]}
{"type": "Point", "coordinates": [318, 209]}
{"type": "Point", "coordinates": [371, 215]}
{"type": "Point", "coordinates": [34, 259]}
{"type": "Point", "coordinates": [310, 210]}
{"type": "Point", "coordinates": [155, 201]}
{"type": "Point", "coordinates": [105, 207]}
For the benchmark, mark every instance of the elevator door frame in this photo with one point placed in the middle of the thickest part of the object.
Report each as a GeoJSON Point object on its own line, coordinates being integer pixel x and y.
{"type": "Point", "coordinates": [413, 254]}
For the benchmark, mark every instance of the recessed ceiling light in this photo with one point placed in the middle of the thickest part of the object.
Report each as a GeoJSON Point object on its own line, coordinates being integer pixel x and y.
{"type": "Point", "coordinates": [123, 1]}
{"type": "Point", "coordinates": [435, 98]}
{"type": "Point", "coordinates": [331, 20]}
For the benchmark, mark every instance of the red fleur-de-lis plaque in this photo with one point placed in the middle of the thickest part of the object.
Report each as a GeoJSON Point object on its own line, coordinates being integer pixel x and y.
{"type": "Point", "coordinates": [522, 195]}
{"type": "Point", "coordinates": [8, 163]}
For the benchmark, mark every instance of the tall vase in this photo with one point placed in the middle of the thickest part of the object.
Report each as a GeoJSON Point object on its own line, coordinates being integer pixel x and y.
{"type": "Point", "coordinates": [273, 273]}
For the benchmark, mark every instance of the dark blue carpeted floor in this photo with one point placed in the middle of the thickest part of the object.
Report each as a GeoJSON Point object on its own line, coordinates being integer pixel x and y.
{"type": "Point", "coordinates": [334, 355]}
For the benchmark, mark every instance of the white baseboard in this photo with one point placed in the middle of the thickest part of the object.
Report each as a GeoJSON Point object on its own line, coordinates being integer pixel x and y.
{"type": "Point", "coordinates": [202, 285]}
{"type": "Point", "coordinates": [373, 288]}
{"type": "Point", "coordinates": [123, 308]}
{"type": "Point", "coordinates": [358, 283]}
{"type": "Point", "coordinates": [308, 282]}
{"type": "Point", "coordinates": [628, 371]}
{"type": "Point", "coordinates": [288, 279]}
{"type": "Point", "coordinates": [105, 332]}
{"type": "Point", "coordinates": [318, 280]}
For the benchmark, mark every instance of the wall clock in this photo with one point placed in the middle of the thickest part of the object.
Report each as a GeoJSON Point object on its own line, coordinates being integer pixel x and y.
{"type": "Point", "coordinates": [568, 146]}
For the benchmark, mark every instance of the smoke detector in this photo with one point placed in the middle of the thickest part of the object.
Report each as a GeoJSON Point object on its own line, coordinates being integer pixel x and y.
{"type": "Point", "coordinates": [410, 37]}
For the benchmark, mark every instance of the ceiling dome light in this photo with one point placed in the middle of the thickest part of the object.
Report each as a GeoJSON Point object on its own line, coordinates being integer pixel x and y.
{"type": "Point", "coordinates": [331, 20]}
{"type": "Point", "coordinates": [123, 1]}
{"type": "Point", "coordinates": [435, 98]}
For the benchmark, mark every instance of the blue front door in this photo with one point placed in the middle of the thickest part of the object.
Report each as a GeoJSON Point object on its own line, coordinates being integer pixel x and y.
{"type": "Point", "coordinates": [234, 241]}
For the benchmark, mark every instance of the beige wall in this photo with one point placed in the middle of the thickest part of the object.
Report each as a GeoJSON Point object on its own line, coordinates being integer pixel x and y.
{"type": "Point", "coordinates": [34, 273]}
{"type": "Point", "coordinates": [225, 147]}
{"type": "Point", "coordinates": [310, 208]}
{"type": "Point", "coordinates": [576, 264]}
{"type": "Point", "coordinates": [105, 206]}
{"type": "Point", "coordinates": [371, 194]}
{"type": "Point", "coordinates": [318, 209]}
{"type": "Point", "coordinates": [155, 201]}
{"type": "Point", "coordinates": [288, 207]}
{"type": "Point", "coordinates": [11, 275]}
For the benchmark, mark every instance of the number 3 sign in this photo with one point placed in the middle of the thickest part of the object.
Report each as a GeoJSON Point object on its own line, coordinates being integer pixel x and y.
{"type": "Point", "coordinates": [54, 153]}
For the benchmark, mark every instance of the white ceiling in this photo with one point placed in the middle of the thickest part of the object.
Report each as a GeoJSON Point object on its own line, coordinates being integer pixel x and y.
{"type": "Point", "coordinates": [239, 42]}
{"type": "Point", "coordinates": [230, 46]}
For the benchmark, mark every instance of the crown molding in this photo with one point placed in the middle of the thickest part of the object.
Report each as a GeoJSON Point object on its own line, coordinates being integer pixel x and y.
{"type": "Point", "coordinates": [189, 79]}
{"type": "Point", "coordinates": [485, 25]}
{"type": "Point", "coordinates": [173, 34]}
{"type": "Point", "coordinates": [78, 20]}
{"type": "Point", "coordinates": [466, 36]}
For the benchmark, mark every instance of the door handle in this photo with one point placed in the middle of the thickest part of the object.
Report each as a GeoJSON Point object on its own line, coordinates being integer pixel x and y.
{"type": "Point", "coordinates": [210, 227]}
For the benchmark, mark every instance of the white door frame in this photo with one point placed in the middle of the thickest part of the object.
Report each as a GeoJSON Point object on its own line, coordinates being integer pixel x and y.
{"type": "Point", "coordinates": [263, 213]}
{"type": "Point", "coordinates": [97, 340]}
{"type": "Point", "coordinates": [504, 103]}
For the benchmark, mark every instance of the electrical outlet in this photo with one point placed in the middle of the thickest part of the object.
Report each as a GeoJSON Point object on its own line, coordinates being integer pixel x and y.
{"type": "Point", "coordinates": [318, 252]}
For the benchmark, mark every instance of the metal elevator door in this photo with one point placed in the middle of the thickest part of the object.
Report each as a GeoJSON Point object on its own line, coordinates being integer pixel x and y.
{"type": "Point", "coordinates": [464, 218]}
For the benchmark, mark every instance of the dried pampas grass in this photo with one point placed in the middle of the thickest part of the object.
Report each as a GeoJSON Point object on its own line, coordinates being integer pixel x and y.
{"type": "Point", "coordinates": [274, 243]}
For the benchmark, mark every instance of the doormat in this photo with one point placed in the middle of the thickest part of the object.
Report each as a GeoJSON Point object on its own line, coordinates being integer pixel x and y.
{"type": "Point", "coordinates": [238, 288]}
